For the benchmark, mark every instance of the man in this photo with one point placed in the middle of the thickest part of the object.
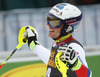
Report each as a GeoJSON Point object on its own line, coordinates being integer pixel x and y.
{"type": "Point", "coordinates": [62, 20]}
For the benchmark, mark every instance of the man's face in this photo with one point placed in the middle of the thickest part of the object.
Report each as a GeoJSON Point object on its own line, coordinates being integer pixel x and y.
{"type": "Point", "coordinates": [54, 32]}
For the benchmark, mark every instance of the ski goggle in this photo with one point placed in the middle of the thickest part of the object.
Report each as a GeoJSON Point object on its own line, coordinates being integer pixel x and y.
{"type": "Point", "coordinates": [53, 21]}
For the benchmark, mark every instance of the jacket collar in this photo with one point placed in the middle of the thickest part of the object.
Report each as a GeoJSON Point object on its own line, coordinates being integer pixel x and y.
{"type": "Point", "coordinates": [64, 40]}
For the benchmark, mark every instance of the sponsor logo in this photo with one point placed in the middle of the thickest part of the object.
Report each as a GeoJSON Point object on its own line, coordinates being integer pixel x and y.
{"type": "Point", "coordinates": [61, 6]}
{"type": "Point", "coordinates": [72, 20]}
{"type": "Point", "coordinates": [56, 10]}
{"type": "Point", "coordinates": [52, 59]}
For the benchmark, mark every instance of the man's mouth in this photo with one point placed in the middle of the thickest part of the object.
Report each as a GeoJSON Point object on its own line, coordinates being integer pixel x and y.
{"type": "Point", "coordinates": [50, 30]}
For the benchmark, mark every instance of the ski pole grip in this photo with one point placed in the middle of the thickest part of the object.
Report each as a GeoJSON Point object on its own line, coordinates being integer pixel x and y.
{"type": "Point", "coordinates": [24, 40]}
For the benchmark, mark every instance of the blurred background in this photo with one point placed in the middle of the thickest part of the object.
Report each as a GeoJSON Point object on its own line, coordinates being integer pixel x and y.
{"type": "Point", "coordinates": [15, 14]}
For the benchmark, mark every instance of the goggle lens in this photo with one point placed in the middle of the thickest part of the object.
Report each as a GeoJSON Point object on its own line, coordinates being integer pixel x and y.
{"type": "Point", "coordinates": [53, 21]}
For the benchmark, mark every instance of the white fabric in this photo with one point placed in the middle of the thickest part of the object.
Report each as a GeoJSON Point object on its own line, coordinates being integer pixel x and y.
{"type": "Point", "coordinates": [80, 51]}
{"type": "Point", "coordinates": [43, 53]}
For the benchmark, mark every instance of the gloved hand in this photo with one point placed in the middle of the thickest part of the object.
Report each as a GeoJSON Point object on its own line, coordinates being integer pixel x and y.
{"type": "Point", "coordinates": [32, 37]}
{"type": "Point", "coordinates": [69, 55]}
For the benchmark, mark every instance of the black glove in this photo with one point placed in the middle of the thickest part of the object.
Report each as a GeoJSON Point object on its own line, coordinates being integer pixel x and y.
{"type": "Point", "coordinates": [32, 38]}
{"type": "Point", "coordinates": [69, 55]}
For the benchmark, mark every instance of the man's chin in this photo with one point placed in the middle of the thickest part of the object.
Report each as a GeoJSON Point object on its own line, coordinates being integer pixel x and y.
{"type": "Point", "coordinates": [53, 37]}
{"type": "Point", "coordinates": [49, 35]}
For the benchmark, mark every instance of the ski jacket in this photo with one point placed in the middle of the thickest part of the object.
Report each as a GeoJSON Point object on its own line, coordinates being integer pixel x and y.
{"type": "Point", "coordinates": [48, 57]}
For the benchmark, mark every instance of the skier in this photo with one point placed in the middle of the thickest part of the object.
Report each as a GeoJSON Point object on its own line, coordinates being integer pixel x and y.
{"type": "Point", "coordinates": [62, 20]}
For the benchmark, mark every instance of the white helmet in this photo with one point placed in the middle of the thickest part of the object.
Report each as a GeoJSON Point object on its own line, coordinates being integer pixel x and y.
{"type": "Point", "coordinates": [69, 14]}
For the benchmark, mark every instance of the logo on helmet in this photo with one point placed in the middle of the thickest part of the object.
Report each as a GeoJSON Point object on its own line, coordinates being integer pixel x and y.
{"type": "Point", "coordinates": [70, 21]}
{"type": "Point", "coordinates": [61, 6]}
{"type": "Point", "coordinates": [56, 10]}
